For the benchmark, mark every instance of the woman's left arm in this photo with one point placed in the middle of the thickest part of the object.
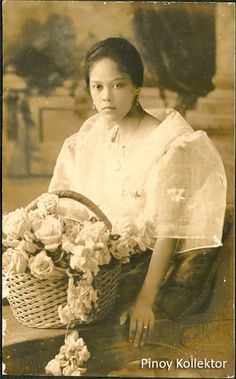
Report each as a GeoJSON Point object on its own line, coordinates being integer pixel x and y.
{"type": "Point", "coordinates": [141, 313]}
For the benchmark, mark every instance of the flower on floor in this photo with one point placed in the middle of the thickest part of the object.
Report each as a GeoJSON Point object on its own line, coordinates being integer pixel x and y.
{"type": "Point", "coordinates": [73, 354]}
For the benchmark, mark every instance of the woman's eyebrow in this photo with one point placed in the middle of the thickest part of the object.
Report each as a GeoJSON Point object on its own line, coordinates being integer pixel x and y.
{"type": "Point", "coordinates": [113, 80]}
{"type": "Point", "coordinates": [120, 78]}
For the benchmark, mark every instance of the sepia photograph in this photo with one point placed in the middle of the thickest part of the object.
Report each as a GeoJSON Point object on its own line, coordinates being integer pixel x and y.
{"type": "Point", "coordinates": [118, 189]}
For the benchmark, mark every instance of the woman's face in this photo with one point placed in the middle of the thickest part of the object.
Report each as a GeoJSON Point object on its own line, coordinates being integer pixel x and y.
{"type": "Point", "coordinates": [112, 91]}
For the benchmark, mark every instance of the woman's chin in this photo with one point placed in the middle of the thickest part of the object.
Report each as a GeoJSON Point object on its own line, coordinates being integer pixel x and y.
{"type": "Point", "coordinates": [111, 118]}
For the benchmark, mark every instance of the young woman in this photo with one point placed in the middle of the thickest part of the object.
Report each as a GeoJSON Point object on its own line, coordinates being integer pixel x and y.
{"type": "Point", "coordinates": [137, 166]}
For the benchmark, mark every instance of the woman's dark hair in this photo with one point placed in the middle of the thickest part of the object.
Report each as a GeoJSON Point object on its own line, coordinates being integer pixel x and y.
{"type": "Point", "coordinates": [122, 52]}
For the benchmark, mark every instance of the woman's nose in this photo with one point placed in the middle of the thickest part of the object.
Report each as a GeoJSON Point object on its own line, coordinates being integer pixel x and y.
{"type": "Point", "coordinates": [106, 94]}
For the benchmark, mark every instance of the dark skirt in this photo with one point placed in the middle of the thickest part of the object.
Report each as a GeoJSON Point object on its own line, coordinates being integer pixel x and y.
{"type": "Point", "coordinates": [187, 286]}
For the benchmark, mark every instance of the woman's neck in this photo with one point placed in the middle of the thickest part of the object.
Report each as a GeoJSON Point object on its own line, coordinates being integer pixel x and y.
{"type": "Point", "coordinates": [130, 121]}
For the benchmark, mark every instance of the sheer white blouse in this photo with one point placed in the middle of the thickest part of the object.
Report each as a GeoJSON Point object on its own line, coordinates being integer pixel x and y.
{"type": "Point", "coordinates": [175, 178]}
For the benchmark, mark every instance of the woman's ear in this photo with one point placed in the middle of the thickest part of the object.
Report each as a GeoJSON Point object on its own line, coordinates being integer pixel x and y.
{"type": "Point", "coordinates": [137, 95]}
{"type": "Point", "coordinates": [137, 92]}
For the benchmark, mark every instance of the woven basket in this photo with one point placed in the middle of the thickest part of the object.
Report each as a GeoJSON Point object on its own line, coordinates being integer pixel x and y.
{"type": "Point", "coordinates": [35, 302]}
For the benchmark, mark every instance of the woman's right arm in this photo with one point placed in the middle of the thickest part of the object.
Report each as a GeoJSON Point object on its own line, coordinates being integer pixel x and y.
{"type": "Point", "coordinates": [63, 171]}
{"type": "Point", "coordinates": [64, 168]}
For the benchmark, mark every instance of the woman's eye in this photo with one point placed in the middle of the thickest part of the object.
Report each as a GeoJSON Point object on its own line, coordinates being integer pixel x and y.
{"type": "Point", "coordinates": [118, 85]}
{"type": "Point", "coordinates": [97, 87]}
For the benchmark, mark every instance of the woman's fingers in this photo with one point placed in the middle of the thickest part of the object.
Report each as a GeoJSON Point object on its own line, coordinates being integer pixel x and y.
{"type": "Point", "coordinates": [132, 329]}
{"type": "Point", "coordinates": [123, 318]}
{"type": "Point", "coordinates": [138, 334]}
{"type": "Point", "coordinates": [151, 325]}
{"type": "Point", "coordinates": [145, 331]}
{"type": "Point", "coordinates": [141, 324]}
{"type": "Point", "coordinates": [142, 331]}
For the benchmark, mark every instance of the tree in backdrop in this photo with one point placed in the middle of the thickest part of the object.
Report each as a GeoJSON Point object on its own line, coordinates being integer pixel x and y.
{"type": "Point", "coordinates": [178, 46]}
{"type": "Point", "coordinates": [44, 52]}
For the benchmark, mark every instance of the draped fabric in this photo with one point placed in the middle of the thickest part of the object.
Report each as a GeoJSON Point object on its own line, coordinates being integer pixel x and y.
{"type": "Point", "coordinates": [174, 179]}
{"type": "Point", "coordinates": [181, 37]}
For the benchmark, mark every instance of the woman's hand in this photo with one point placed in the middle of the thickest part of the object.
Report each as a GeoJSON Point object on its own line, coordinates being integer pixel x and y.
{"type": "Point", "coordinates": [142, 321]}
{"type": "Point", "coordinates": [140, 314]}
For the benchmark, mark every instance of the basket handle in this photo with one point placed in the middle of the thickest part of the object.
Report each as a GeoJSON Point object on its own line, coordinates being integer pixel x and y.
{"type": "Point", "coordinates": [81, 199]}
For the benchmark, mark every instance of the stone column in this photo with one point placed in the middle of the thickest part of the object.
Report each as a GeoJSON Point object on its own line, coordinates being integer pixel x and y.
{"type": "Point", "coordinates": [225, 46]}
{"type": "Point", "coordinates": [215, 112]}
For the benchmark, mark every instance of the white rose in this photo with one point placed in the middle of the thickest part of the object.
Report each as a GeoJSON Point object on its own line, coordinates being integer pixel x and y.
{"type": "Point", "coordinates": [65, 314]}
{"type": "Point", "coordinates": [122, 248]}
{"type": "Point", "coordinates": [86, 294]}
{"type": "Point", "coordinates": [35, 219]}
{"type": "Point", "coordinates": [71, 224]}
{"type": "Point", "coordinates": [26, 246]}
{"type": "Point", "coordinates": [14, 261]}
{"type": "Point", "coordinates": [67, 371]}
{"type": "Point", "coordinates": [71, 229]}
{"type": "Point", "coordinates": [125, 228]}
{"type": "Point", "coordinates": [8, 242]}
{"type": "Point", "coordinates": [96, 232]}
{"type": "Point", "coordinates": [73, 370]}
{"type": "Point", "coordinates": [79, 371]}
{"type": "Point", "coordinates": [84, 354]}
{"type": "Point", "coordinates": [50, 232]}
{"type": "Point", "coordinates": [66, 245]}
{"type": "Point", "coordinates": [83, 259]}
{"type": "Point", "coordinates": [80, 298]}
{"type": "Point", "coordinates": [42, 267]}
{"type": "Point", "coordinates": [16, 223]}
{"type": "Point", "coordinates": [47, 204]}
{"type": "Point", "coordinates": [76, 348]}
{"type": "Point", "coordinates": [72, 337]}
{"type": "Point", "coordinates": [62, 358]}
{"type": "Point", "coordinates": [102, 253]}
{"type": "Point", "coordinates": [146, 234]}
{"type": "Point", "coordinates": [53, 368]}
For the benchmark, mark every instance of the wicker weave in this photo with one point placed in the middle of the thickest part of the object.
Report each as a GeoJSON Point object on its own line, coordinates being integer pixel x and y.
{"type": "Point", "coordinates": [35, 302]}
{"type": "Point", "coordinates": [106, 284]}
